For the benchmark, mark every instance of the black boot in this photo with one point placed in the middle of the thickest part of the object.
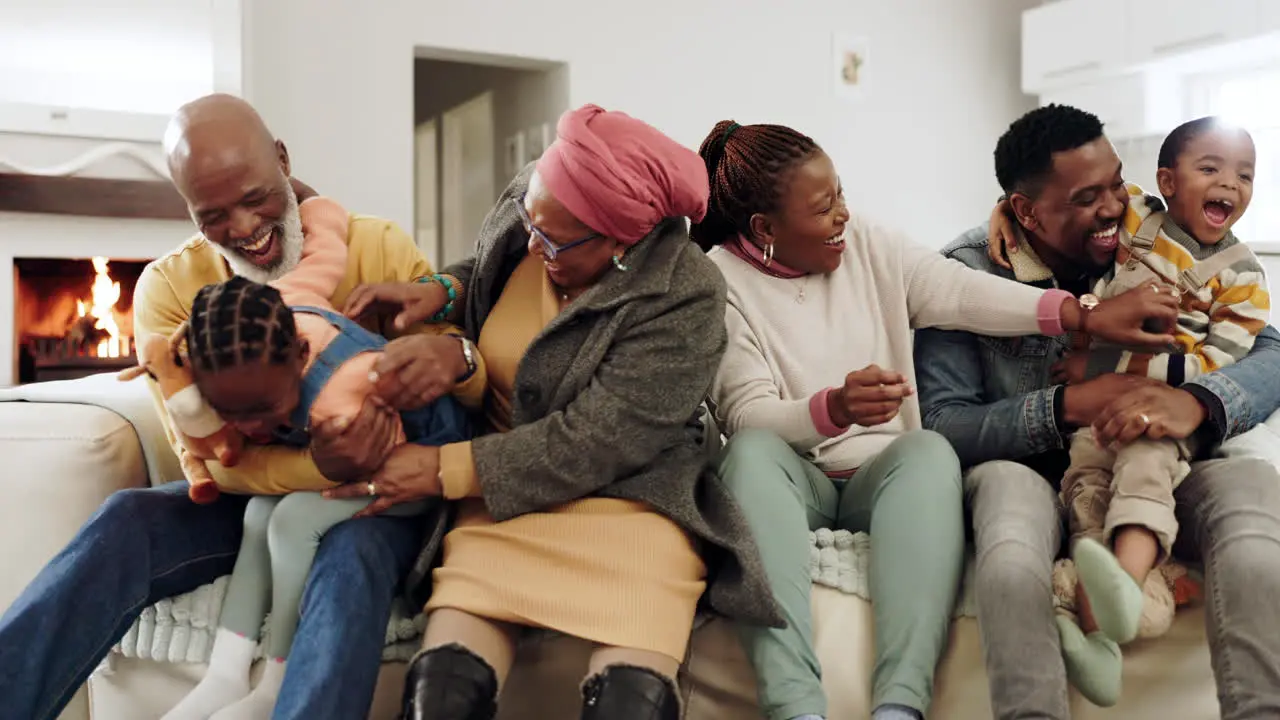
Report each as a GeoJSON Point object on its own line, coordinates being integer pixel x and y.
{"type": "Point", "coordinates": [625, 692]}
{"type": "Point", "coordinates": [450, 683]}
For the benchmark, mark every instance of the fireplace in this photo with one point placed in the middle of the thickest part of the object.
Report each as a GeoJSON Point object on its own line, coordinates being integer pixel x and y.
{"type": "Point", "coordinates": [73, 317]}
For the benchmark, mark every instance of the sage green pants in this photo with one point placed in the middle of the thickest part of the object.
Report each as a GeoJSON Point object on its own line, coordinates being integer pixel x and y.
{"type": "Point", "coordinates": [910, 500]}
{"type": "Point", "coordinates": [281, 535]}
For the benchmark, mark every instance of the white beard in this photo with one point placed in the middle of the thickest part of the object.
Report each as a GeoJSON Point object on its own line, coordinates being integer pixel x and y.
{"type": "Point", "coordinates": [291, 240]}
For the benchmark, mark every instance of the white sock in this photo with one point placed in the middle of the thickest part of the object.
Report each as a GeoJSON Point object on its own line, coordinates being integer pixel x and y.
{"type": "Point", "coordinates": [258, 704]}
{"type": "Point", "coordinates": [226, 681]}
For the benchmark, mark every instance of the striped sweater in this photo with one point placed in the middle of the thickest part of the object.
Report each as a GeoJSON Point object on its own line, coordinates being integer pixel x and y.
{"type": "Point", "coordinates": [1216, 325]}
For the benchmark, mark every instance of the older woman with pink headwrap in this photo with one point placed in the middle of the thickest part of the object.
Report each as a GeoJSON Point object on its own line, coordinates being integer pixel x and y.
{"type": "Point", "coordinates": [586, 507]}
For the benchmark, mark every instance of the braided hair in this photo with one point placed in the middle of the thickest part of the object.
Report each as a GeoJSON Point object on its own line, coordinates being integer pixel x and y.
{"type": "Point", "coordinates": [237, 322]}
{"type": "Point", "coordinates": [748, 166]}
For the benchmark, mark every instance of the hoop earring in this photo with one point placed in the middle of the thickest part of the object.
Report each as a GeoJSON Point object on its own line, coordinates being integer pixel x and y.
{"type": "Point", "coordinates": [617, 262]}
{"type": "Point", "coordinates": [768, 254]}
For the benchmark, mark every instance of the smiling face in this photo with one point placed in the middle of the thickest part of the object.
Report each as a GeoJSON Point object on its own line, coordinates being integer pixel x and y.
{"type": "Point", "coordinates": [807, 229]}
{"type": "Point", "coordinates": [575, 268]}
{"type": "Point", "coordinates": [1077, 211]}
{"type": "Point", "coordinates": [235, 178]}
{"type": "Point", "coordinates": [1211, 184]}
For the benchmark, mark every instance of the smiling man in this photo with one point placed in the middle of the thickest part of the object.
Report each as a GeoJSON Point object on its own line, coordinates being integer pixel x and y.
{"type": "Point", "coordinates": [994, 400]}
{"type": "Point", "coordinates": [147, 544]}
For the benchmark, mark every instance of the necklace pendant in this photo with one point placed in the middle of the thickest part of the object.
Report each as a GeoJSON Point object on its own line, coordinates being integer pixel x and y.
{"type": "Point", "coordinates": [800, 297]}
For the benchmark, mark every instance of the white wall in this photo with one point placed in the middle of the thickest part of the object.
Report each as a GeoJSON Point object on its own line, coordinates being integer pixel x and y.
{"type": "Point", "coordinates": [942, 85]}
{"type": "Point", "coordinates": [125, 55]}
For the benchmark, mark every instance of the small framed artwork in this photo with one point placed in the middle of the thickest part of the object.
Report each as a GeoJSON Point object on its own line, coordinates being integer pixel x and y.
{"type": "Point", "coordinates": [514, 154]}
{"type": "Point", "coordinates": [849, 65]}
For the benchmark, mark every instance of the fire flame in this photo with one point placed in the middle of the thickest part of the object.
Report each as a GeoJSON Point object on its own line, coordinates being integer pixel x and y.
{"type": "Point", "coordinates": [102, 302]}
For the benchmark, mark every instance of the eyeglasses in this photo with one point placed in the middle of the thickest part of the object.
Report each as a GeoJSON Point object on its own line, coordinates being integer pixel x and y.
{"type": "Point", "coordinates": [549, 247]}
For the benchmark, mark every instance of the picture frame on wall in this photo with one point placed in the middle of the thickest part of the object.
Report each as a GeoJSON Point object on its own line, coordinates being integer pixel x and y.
{"type": "Point", "coordinates": [849, 60]}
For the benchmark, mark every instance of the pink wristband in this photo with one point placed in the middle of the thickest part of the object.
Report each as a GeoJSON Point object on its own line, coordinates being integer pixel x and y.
{"type": "Point", "coordinates": [821, 414]}
{"type": "Point", "coordinates": [1049, 311]}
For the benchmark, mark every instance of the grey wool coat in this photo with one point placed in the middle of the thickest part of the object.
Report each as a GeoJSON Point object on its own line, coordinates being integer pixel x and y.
{"type": "Point", "coordinates": [606, 403]}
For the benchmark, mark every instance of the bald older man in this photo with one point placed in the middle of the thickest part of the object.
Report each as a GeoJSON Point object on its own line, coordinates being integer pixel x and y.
{"type": "Point", "coordinates": [147, 544]}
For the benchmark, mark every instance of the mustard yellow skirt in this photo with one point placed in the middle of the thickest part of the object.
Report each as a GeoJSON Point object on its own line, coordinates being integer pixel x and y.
{"type": "Point", "coordinates": [606, 570]}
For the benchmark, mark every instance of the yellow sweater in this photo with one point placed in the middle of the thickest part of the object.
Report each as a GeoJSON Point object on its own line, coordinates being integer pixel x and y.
{"type": "Point", "coordinates": [377, 251]}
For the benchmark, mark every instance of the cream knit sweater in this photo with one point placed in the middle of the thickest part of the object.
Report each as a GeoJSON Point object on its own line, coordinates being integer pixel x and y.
{"type": "Point", "coordinates": [791, 338]}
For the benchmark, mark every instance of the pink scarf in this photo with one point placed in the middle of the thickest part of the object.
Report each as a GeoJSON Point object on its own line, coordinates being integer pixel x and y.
{"type": "Point", "coordinates": [754, 256]}
{"type": "Point", "coordinates": [620, 176]}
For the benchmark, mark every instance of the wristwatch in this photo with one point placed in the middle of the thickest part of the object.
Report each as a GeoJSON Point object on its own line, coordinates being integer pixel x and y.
{"type": "Point", "coordinates": [1088, 302]}
{"type": "Point", "coordinates": [469, 357]}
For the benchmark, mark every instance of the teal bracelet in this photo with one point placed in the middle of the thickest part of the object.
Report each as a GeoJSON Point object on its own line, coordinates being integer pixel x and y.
{"type": "Point", "coordinates": [447, 283]}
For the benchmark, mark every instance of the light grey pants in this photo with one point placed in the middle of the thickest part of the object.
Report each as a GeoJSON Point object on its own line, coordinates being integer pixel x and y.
{"type": "Point", "coordinates": [1229, 514]}
{"type": "Point", "coordinates": [281, 534]}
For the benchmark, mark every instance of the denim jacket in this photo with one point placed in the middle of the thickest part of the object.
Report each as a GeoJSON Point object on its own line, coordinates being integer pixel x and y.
{"type": "Point", "coordinates": [992, 397]}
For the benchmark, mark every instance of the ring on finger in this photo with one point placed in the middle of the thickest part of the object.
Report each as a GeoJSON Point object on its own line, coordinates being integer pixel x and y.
{"type": "Point", "coordinates": [1145, 420]}
{"type": "Point", "coordinates": [373, 489]}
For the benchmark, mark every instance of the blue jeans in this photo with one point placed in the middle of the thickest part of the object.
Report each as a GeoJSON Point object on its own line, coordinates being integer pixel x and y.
{"type": "Point", "coordinates": [147, 544]}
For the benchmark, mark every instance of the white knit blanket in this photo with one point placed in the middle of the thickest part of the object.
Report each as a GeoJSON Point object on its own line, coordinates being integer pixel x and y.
{"type": "Point", "coordinates": [181, 629]}
{"type": "Point", "coordinates": [842, 560]}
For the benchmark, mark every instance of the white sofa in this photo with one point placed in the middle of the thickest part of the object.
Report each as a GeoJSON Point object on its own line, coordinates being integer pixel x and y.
{"type": "Point", "coordinates": [65, 459]}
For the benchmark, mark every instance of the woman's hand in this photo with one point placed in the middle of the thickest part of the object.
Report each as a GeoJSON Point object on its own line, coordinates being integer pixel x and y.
{"type": "Point", "coordinates": [1002, 238]}
{"type": "Point", "coordinates": [1156, 411]}
{"type": "Point", "coordinates": [352, 449]}
{"type": "Point", "coordinates": [412, 302]}
{"type": "Point", "coordinates": [411, 472]}
{"type": "Point", "coordinates": [1143, 317]}
{"type": "Point", "coordinates": [416, 370]}
{"type": "Point", "coordinates": [870, 397]}
{"type": "Point", "coordinates": [1070, 370]}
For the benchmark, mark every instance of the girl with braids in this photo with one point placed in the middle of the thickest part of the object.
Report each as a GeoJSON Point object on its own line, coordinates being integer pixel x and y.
{"type": "Point", "coordinates": [584, 506]}
{"type": "Point", "coordinates": [815, 293]}
{"type": "Point", "coordinates": [273, 361]}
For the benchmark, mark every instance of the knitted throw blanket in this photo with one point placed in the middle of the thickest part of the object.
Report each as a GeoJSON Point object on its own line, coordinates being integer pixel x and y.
{"type": "Point", "coordinates": [180, 629]}
{"type": "Point", "coordinates": [842, 560]}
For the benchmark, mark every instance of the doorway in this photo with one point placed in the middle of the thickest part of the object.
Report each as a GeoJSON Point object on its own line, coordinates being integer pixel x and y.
{"type": "Point", "coordinates": [477, 124]}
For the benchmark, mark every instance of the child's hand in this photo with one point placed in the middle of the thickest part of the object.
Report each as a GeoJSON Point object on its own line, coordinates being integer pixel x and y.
{"type": "Point", "coordinates": [1002, 239]}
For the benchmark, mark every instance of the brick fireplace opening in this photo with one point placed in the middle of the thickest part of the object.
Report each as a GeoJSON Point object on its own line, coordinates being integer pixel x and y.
{"type": "Point", "coordinates": [73, 317]}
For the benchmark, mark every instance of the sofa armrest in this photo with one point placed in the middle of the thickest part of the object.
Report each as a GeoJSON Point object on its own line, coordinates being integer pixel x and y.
{"type": "Point", "coordinates": [62, 461]}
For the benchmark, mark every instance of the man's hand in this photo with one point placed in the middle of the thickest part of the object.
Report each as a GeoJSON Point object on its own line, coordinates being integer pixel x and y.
{"type": "Point", "coordinates": [870, 397]}
{"type": "Point", "coordinates": [1142, 317]}
{"type": "Point", "coordinates": [1083, 403]}
{"type": "Point", "coordinates": [1070, 370]}
{"type": "Point", "coordinates": [411, 472]}
{"type": "Point", "coordinates": [412, 302]}
{"type": "Point", "coordinates": [416, 370]}
{"type": "Point", "coordinates": [1156, 411]}
{"type": "Point", "coordinates": [346, 450]}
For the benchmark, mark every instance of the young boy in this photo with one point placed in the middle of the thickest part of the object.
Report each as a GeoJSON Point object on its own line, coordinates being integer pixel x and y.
{"type": "Point", "coordinates": [1120, 499]}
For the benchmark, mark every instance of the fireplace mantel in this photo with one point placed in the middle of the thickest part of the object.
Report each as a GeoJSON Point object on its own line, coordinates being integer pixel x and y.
{"type": "Point", "coordinates": [92, 197]}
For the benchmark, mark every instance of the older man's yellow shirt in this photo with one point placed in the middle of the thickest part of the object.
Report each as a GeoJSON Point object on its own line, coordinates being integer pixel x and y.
{"type": "Point", "coordinates": [377, 251]}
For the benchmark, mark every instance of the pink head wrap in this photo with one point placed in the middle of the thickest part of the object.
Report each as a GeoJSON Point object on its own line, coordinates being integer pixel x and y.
{"type": "Point", "coordinates": [621, 176]}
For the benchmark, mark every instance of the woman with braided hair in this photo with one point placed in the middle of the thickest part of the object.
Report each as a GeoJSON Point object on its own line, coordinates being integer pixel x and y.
{"type": "Point", "coordinates": [815, 293]}
{"type": "Point", "coordinates": [585, 507]}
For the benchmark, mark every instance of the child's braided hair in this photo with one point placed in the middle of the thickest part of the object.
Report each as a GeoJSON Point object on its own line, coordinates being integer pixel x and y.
{"type": "Point", "coordinates": [237, 322]}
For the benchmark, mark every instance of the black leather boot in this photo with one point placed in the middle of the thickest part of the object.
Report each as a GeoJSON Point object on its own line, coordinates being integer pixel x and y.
{"type": "Point", "coordinates": [625, 692]}
{"type": "Point", "coordinates": [450, 683]}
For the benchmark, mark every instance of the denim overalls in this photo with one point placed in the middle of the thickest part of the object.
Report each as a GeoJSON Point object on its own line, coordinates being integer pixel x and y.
{"type": "Point", "coordinates": [443, 421]}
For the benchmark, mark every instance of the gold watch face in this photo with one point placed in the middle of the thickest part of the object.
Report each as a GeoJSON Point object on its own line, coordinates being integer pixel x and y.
{"type": "Point", "coordinates": [1089, 301]}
